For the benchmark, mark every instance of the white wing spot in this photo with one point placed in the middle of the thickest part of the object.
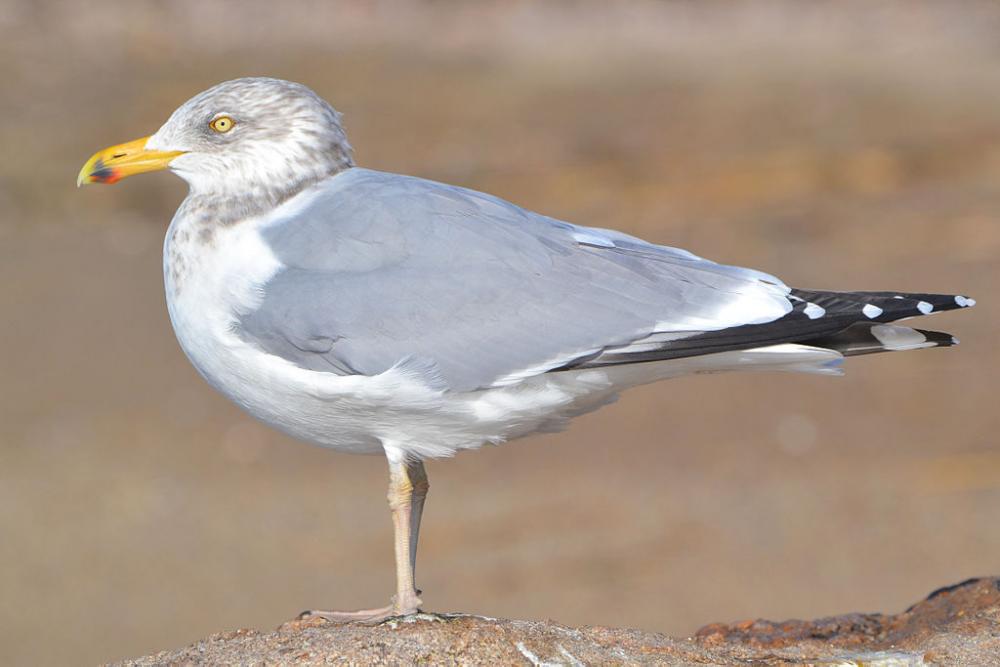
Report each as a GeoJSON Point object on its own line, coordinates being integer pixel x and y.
{"type": "Point", "coordinates": [871, 311]}
{"type": "Point", "coordinates": [965, 302]}
{"type": "Point", "coordinates": [813, 311]}
{"type": "Point", "coordinates": [925, 308]}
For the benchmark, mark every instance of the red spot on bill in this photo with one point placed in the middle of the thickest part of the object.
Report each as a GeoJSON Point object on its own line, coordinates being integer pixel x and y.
{"type": "Point", "coordinates": [103, 174]}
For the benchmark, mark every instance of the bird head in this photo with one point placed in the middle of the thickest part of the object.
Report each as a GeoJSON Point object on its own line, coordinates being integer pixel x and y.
{"type": "Point", "coordinates": [242, 138]}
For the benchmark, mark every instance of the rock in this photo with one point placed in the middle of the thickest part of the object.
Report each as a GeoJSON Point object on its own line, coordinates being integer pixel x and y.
{"type": "Point", "coordinates": [956, 625]}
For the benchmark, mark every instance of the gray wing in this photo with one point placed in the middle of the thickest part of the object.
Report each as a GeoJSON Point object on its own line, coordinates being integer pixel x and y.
{"type": "Point", "coordinates": [381, 268]}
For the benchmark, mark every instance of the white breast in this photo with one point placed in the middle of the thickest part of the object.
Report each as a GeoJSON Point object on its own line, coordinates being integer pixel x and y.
{"type": "Point", "coordinates": [211, 279]}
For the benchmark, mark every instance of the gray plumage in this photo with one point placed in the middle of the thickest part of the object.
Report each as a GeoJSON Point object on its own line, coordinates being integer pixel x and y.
{"type": "Point", "coordinates": [380, 268]}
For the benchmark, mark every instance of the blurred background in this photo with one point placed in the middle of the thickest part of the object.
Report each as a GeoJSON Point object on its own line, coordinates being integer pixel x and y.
{"type": "Point", "coordinates": [843, 145]}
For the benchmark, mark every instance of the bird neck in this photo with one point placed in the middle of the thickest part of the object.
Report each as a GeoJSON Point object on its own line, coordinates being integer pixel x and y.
{"type": "Point", "coordinates": [213, 208]}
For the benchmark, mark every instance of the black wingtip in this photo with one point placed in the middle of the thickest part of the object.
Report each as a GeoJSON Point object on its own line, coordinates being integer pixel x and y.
{"type": "Point", "coordinates": [929, 303]}
{"type": "Point", "coordinates": [882, 306]}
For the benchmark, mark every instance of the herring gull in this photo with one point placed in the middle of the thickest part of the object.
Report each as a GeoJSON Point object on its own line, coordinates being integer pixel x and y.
{"type": "Point", "coordinates": [375, 313]}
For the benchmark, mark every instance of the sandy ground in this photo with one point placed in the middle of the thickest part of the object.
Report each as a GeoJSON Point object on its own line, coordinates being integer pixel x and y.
{"type": "Point", "coordinates": [836, 145]}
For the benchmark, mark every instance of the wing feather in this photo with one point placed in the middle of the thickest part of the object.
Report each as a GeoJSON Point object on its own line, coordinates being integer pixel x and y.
{"type": "Point", "coordinates": [381, 268]}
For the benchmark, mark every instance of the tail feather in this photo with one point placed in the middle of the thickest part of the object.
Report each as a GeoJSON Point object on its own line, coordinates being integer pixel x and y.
{"type": "Point", "coordinates": [864, 338]}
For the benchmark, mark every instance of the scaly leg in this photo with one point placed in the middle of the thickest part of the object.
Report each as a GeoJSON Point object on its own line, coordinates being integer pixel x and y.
{"type": "Point", "coordinates": [407, 490]}
{"type": "Point", "coordinates": [418, 478]}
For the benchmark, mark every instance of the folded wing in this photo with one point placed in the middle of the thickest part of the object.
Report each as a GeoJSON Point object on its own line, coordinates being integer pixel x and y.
{"type": "Point", "coordinates": [381, 268]}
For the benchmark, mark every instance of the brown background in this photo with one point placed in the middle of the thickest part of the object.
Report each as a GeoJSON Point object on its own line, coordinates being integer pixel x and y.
{"type": "Point", "coordinates": [842, 145]}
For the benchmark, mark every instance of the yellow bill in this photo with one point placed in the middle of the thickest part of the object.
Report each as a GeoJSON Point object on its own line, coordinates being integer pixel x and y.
{"type": "Point", "coordinates": [115, 163]}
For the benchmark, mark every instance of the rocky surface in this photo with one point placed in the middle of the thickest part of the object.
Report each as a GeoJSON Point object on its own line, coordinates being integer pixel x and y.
{"type": "Point", "coordinates": [956, 625]}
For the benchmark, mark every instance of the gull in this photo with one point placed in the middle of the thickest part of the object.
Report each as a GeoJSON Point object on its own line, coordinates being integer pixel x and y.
{"type": "Point", "coordinates": [376, 313]}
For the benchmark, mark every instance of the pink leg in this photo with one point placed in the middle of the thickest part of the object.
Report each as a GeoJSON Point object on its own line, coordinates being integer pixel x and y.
{"type": "Point", "coordinates": [407, 490]}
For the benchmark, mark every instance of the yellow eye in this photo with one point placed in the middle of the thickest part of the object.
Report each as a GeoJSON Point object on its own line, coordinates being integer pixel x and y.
{"type": "Point", "coordinates": [222, 124]}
